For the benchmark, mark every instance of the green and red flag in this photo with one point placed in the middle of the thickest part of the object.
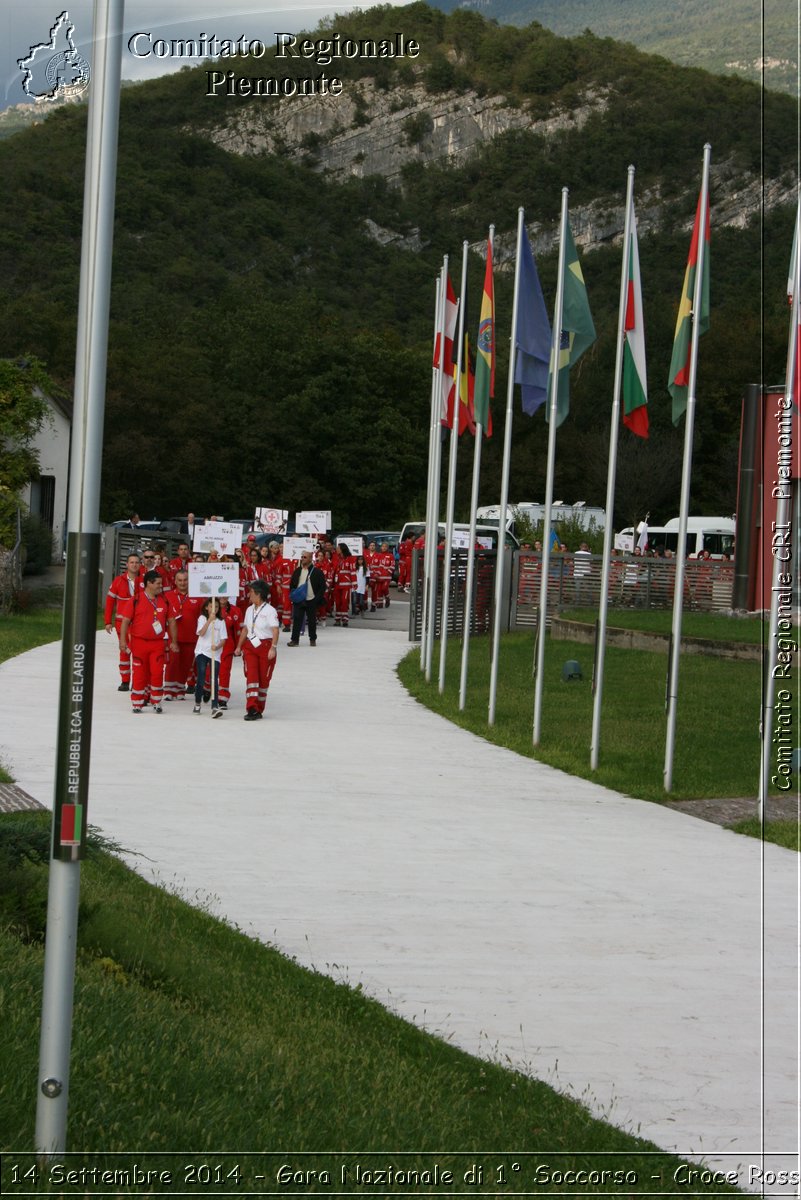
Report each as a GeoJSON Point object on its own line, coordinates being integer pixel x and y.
{"type": "Point", "coordinates": [485, 356]}
{"type": "Point", "coordinates": [682, 340]}
{"type": "Point", "coordinates": [577, 333]}
{"type": "Point", "coordinates": [635, 385]}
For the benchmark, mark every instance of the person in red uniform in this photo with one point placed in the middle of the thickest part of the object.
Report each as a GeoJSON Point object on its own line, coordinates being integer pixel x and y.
{"type": "Point", "coordinates": [180, 665]}
{"type": "Point", "coordinates": [344, 580]}
{"type": "Point", "coordinates": [145, 626]}
{"type": "Point", "coordinates": [232, 616]}
{"type": "Point", "coordinates": [258, 642]}
{"type": "Point", "coordinates": [383, 566]}
{"type": "Point", "coordinates": [274, 578]}
{"type": "Point", "coordinates": [181, 560]}
{"type": "Point", "coordinates": [120, 594]}
{"type": "Point", "coordinates": [325, 562]}
{"type": "Point", "coordinates": [405, 564]}
{"type": "Point", "coordinates": [285, 578]}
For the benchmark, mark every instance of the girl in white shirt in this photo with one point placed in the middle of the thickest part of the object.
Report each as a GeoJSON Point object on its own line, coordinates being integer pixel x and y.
{"type": "Point", "coordinates": [211, 633]}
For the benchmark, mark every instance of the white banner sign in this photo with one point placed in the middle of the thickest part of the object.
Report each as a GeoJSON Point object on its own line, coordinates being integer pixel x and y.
{"type": "Point", "coordinates": [312, 522]}
{"type": "Point", "coordinates": [214, 579]}
{"type": "Point", "coordinates": [294, 546]}
{"type": "Point", "coordinates": [460, 539]}
{"type": "Point", "coordinates": [271, 520]}
{"type": "Point", "coordinates": [354, 544]}
{"type": "Point", "coordinates": [485, 542]}
{"type": "Point", "coordinates": [216, 535]}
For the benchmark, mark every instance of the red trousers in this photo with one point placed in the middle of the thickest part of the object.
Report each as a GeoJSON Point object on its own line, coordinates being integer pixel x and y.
{"type": "Point", "coordinates": [342, 602]}
{"type": "Point", "coordinates": [125, 659]}
{"type": "Point", "coordinates": [178, 668]}
{"type": "Point", "coordinates": [147, 660]}
{"type": "Point", "coordinates": [259, 669]}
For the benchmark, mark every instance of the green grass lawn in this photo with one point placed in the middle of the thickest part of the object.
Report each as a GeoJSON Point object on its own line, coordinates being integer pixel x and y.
{"type": "Point", "coordinates": [22, 631]}
{"type": "Point", "coordinates": [189, 1035]}
{"type": "Point", "coordinates": [716, 626]}
{"type": "Point", "coordinates": [717, 732]}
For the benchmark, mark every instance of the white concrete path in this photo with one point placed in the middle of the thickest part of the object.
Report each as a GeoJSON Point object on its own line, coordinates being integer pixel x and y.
{"type": "Point", "coordinates": [638, 958]}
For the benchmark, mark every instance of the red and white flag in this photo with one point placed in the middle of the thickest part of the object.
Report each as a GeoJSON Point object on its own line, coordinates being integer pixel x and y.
{"type": "Point", "coordinates": [448, 382]}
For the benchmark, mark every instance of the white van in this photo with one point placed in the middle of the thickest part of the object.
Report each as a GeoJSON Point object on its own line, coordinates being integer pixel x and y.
{"type": "Point", "coordinates": [715, 534]}
{"type": "Point", "coordinates": [485, 534]}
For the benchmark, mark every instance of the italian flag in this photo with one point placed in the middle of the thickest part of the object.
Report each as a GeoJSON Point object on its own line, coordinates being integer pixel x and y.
{"type": "Point", "coordinates": [635, 386]}
{"type": "Point", "coordinates": [680, 362]}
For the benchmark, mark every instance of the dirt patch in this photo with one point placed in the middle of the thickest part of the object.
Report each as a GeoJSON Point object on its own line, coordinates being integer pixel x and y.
{"type": "Point", "coordinates": [729, 812]}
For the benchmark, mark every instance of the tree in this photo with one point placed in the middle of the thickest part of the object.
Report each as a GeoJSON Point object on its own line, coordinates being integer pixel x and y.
{"type": "Point", "coordinates": [23, 412]}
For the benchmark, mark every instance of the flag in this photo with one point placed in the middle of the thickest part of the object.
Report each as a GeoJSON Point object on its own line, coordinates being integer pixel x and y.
{"type": "Point", "coordinates": [642, 540]}
{"type": "Point", "coordinates": [467, 382]}
{"type": "Point", "coordinates": [533, 333]}
{"type": "Point", "coordinates": [635, 386]}
{"type": "Point", "coordinates": [577, 332]}
{"type": "Point", "coordinates": [485, 355]}
{"type": "Point", "coordinates": [448, 389]}
{"type": "Point", "coordinates": [792, 282]}
{"type": "Point", "coordinates": [680, 362]}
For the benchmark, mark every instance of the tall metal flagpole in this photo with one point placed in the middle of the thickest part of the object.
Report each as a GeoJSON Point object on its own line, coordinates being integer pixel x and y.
{"type": "Point", "coordinates": [433, 424]}
{"type": "Point", "coordinates": [451, 499]}
{"type": "Point", "coordinates": [684, 510]}
{"type": "Point", "coordinates": [556, 340]}
{"type": "Point", "coordinates": [507, 457]}
{"type": "Point", "coordinates": [595, 740]}
{"type": "Point", "coordinates": [782, 575]}
{"type": "Point", "coordinates": [80, 591]}
{"type": "Point", "coordinates": [432, 521]}
{"type": "Point", "coordinates": [471, 544]}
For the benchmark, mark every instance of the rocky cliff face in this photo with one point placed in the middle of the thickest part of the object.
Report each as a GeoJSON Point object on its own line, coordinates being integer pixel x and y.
{"type": "Point", "coordinates": [370, 131]}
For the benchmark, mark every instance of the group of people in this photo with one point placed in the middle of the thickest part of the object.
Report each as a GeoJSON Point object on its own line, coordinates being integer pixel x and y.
{"type": "Point", "coordinates": [172, 645]}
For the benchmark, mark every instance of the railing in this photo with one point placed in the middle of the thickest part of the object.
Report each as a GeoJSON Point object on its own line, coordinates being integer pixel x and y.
{"type": "Point", "coordinates": [574, 581]}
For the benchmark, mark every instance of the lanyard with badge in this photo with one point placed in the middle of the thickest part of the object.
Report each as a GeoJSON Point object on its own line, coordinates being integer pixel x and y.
{"type": "Point", "coordinates": [158, 628]}
{"type": "Point", "coordinates": [255, 641]}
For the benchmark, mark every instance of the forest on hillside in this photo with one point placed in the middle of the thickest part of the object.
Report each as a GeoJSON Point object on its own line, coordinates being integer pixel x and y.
{"type": "Point", "coordinates": [265, 349]}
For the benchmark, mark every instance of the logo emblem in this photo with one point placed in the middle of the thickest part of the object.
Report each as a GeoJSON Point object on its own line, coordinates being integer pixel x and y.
{"type": "Point", "coordinates": [55, 70]}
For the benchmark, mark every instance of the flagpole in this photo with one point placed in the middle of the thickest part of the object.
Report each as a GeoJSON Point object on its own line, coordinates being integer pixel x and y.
{"type": "Point", "coordinates": [556, 339]}
{"type": "Point", "coordinates": [451, 498]}
{"type": "Point", "coordinates": [781, 523]}
{"type": "Point", "coordinates": [507, 458]}
{"type": "Point", "coordinates": [429, 484]}
{"type": "Point", "coordinates": [432, 523]}
{"type": "Point", "coordinates": [610, 479]}
{"type": "Point", "coordinates": [471, 545]}
{"type": "Point", "coordinates": [684, 511]}
{"type": "Point", "coordinates": [80, 592]}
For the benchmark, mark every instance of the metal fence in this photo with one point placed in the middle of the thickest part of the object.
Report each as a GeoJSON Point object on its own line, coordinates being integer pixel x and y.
{"type": "Point", "coordinates": [574, 581]}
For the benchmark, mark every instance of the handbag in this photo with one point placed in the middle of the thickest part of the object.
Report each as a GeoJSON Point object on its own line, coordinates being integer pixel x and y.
{"type": "Point", "coordinates": [298, 594]}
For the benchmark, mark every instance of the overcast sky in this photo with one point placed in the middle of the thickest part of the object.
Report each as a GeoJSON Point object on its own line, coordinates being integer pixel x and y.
{"type": "Point", "coordinates": [26, 23]}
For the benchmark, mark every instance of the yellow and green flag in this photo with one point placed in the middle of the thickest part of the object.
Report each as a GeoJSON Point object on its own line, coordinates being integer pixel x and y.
{"type": "Point", "coordinates": [577, 332]}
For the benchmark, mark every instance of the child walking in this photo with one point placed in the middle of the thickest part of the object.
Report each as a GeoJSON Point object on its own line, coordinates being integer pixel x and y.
{"type": "Point", "coordinates": [211, 633]}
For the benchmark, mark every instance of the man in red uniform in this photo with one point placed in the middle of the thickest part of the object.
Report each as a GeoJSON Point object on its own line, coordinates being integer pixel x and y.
{"type": "Point", "coordinates": [181, 560]}
{"type": "Point", "coordinates": [405, 564]}
{"type": "Point", "coordinates": [119, 596]}
{"type": "Point", "coordinates": [146, 624]}
{"type": "Point", "coordinates": [184, 610]}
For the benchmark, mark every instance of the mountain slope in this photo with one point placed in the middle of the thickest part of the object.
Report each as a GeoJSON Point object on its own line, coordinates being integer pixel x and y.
{"type": "Point", "coordinates": [271, 315]}
{"type": "Point", "coordinates": [756, 40]}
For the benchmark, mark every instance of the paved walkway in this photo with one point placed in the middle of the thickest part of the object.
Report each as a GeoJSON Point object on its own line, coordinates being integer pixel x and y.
{"type": "Point", "coordinates": [626, 953]}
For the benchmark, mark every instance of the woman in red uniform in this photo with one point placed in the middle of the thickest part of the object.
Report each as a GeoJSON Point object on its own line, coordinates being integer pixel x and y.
{"type": "Point", "coordinates": [258, 642]}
